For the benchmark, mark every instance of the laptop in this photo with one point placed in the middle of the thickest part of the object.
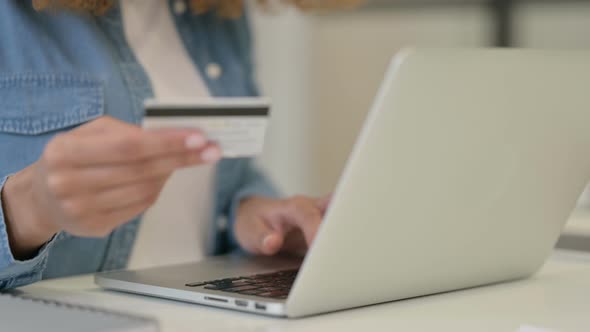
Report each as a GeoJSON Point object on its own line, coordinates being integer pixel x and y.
{"type": "Point", "coordinates": [18, 308]}
{"type": "Point", "coordinates": [466, 170]}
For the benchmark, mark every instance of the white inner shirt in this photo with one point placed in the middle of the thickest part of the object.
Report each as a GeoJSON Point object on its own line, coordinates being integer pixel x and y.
{"type": "Point", "coordinates": [175, 229]}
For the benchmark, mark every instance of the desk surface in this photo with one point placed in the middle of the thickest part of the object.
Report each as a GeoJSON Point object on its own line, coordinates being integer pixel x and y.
{"type": "Point", "coordinates": [578, 223]}
{"type": "Point", "coordinates": [558, 298]}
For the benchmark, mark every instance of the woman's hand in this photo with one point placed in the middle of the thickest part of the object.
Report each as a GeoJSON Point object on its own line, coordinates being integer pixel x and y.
{"type": "Point", "coordinates": [267, 226]}
{"type": "Point", "coordinates": [95, 178]}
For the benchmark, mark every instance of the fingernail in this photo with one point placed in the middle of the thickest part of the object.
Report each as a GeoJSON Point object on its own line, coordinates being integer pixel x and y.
{"type": "Point", "coordinates": [266, 240]}
{"type": "Point", "coordinates": [211, 154]}
{"type": "Point", "coordinates": [194, 142]}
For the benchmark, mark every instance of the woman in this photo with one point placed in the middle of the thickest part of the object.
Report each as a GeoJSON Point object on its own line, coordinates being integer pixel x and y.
{"type": "Point", "coordinates": [76, 168]}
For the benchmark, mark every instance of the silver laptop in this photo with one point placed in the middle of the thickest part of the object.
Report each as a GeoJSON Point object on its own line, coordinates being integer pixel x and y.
{"type": "Point", "coordinates": [467, 168]}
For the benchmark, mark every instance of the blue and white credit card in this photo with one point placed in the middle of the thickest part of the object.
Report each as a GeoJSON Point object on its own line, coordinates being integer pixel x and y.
{"type": "Point", "coordinates": [238, 125]}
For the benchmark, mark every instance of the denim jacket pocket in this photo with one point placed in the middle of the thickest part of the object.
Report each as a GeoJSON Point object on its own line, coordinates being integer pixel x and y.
{"type": "Point", "coordinates": [37, 103]}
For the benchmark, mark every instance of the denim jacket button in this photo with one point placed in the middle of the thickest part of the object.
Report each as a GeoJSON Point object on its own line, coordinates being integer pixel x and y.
{"type": "Point", "coordinates": [214, 71]}
{"type": "Point", "coordinates": [179, 7]}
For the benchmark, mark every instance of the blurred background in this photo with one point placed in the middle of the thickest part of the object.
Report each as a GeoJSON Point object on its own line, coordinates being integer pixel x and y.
{"type": "Point", "coordinates": [323, 70]}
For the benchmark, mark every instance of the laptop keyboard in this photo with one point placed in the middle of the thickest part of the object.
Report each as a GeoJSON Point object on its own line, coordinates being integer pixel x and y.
{"type": "Point", "coordinates": [274, 285]}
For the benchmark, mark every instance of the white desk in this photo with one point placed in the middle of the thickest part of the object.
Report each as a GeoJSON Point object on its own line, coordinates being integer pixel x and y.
{"type": "Point", "coordinates": [557, 298]}
{"type": "Point", "coordinates": [578, 223]}
{"type": "Point", "coordinates": [576, 233]}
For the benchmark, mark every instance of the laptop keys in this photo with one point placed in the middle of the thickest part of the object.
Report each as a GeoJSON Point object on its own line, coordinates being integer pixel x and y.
{"type": "Point", "coordinates": [196, 284]}
{"type": "Point", "coordinates": [271, 285]}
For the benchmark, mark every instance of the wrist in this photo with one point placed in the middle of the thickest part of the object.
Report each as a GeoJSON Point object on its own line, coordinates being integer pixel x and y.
{"type": "Point", "coordinates": [26, 229]}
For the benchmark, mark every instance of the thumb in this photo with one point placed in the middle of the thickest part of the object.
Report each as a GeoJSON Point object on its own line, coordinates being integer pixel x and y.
{"type": "Point", "coordinates": [262, 238]}
{"type": "Point", "coordinates": [272, 243]}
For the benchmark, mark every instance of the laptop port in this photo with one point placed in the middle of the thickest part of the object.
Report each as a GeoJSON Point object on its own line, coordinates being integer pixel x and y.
{"type": "Point", "coordinates": [260, 306]}
{"type": "Point", "coordinates": [241, 303]}
{"type": "Point", "coordinates": [215, 299]}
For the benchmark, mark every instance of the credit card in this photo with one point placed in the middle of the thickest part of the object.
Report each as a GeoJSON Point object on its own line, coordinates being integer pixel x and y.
{"type": "Point", "coordinates": [238, 125]}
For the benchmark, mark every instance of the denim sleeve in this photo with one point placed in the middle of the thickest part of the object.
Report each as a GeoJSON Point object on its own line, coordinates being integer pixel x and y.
{"type": "Point", "coordinates": [15, 273]}
{"type": "Point", "coordinates": [253, 183]}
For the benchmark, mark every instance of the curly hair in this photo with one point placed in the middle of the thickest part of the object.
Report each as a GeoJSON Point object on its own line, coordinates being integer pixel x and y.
{"type": "Point", "coordinates": [224, 8]}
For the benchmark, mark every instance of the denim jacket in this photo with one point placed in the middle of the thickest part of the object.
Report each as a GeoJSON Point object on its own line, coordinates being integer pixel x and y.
{"type": "Point", "coordinates": [59, 70]}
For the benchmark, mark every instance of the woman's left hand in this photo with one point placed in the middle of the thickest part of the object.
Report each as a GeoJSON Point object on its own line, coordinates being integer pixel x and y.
{"type": "Point", "coordinates": [267, 226]}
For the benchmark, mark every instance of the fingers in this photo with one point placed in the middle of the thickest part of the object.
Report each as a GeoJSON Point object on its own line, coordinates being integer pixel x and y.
{"type": "Point", "coordinates": [267, 226]}
{"type": "Point", "coordinates": [303, 213]}
{"type": "Point", "coordinates": [84, 206]}
{"type": "Point", "coordinates": [127, 213]}
{"type": "Point", "coordinates": [259, 237]}
{"type": "Point", "coordinates": [295, 243]}
{"type": "Point", "coordinates": [128, 144]}
{"type": "Point", "coordinates": [101, 174]}
{"type": "Point", "coordinates": [123, 174]}
{"type": "Point", "coordinates": [323, 203]}
{"type": "Point", "coordinates": [96, 227]}
{"type": "Point", "coordinates": [272, 243]}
